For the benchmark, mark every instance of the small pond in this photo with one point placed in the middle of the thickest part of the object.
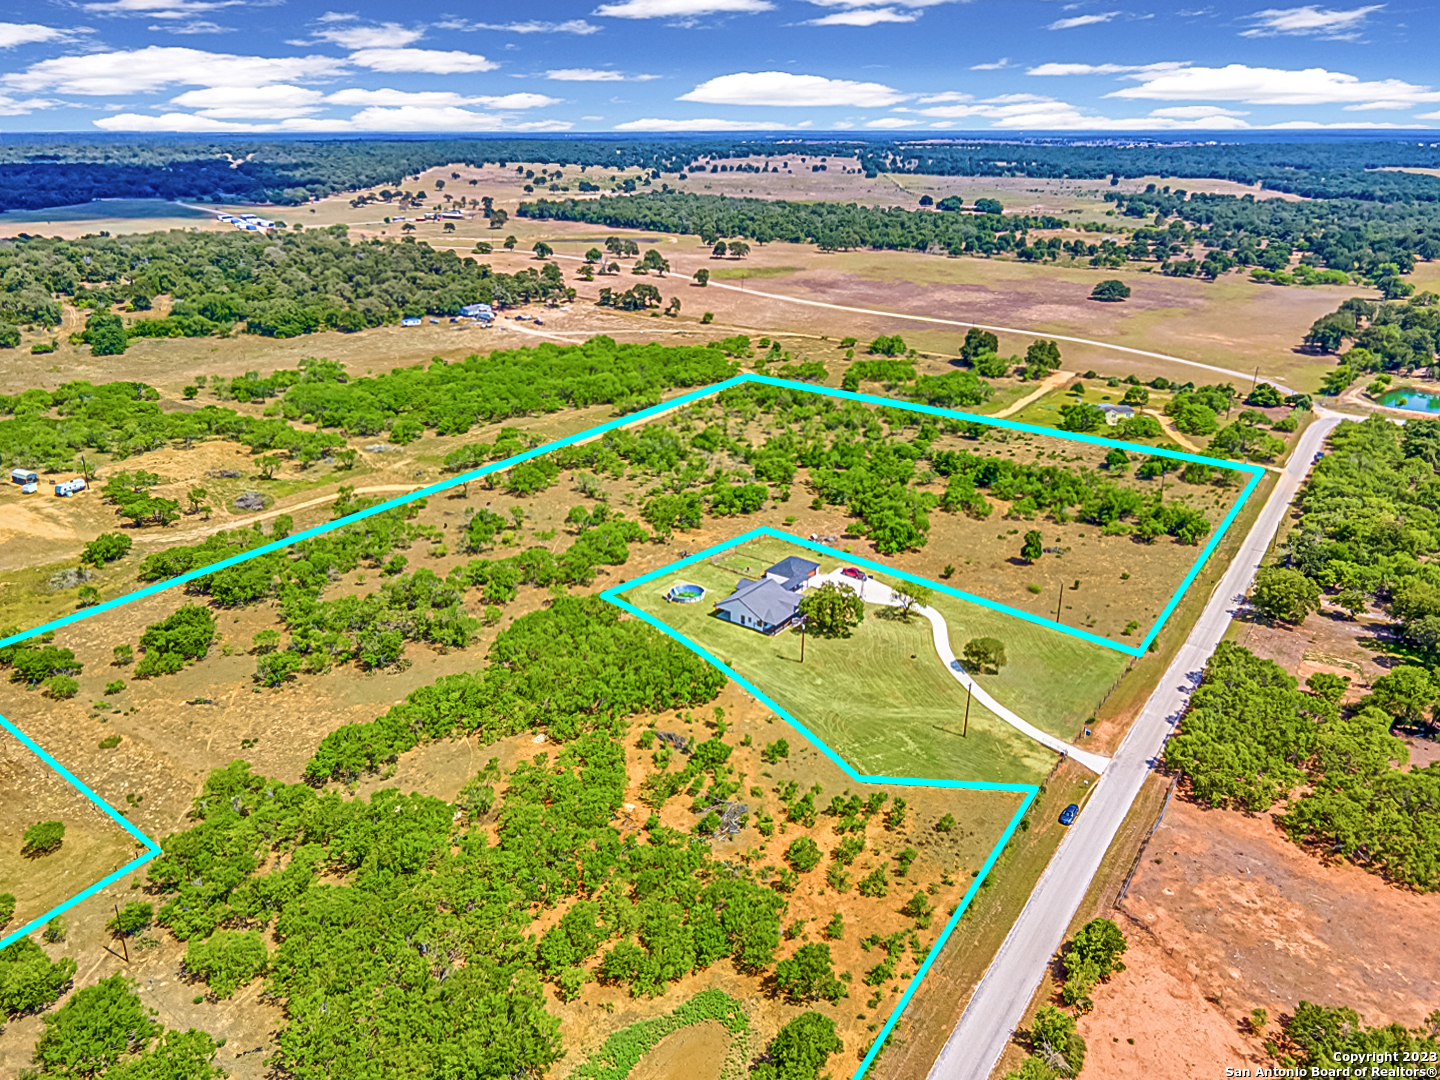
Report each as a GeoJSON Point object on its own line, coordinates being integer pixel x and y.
{"type": "Point", "coordinates": [1412, 400]}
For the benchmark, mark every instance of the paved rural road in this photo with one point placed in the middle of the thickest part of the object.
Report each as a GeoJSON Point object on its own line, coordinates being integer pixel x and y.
{"type": "Point", "coordinates": [1004, 993]}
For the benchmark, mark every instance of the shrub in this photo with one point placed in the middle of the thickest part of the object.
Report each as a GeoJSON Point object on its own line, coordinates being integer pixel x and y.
{"type": "Point", "coordinates": [7, 907]}
{"type": "Point", "coordinates": [43, 838]}
{"type": "Point", "coordinates": [114, 686]}
{"type": "Point", "coordinates": [803, 854]}
{"type": "Point", "coordinates": [107, 547]}
{"type": "Point", "coordinates": [61, 687]}
{"type": "Point", "coordinates": [110, 742]}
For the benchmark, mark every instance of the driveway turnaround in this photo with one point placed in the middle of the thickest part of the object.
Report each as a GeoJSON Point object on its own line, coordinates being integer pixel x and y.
{"type": "Point", "coordinates": [999, 1002]}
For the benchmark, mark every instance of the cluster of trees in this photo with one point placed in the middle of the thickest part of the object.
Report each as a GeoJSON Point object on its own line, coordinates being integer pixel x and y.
{"type": "Point", "coordinates": [535, 679]}
{"type": "Point", "coordinates": [1319, 1036]}
{"type": "Point", "coordinates": [1402, 337]}
{"type": "Point", "coordinates": [1368, 526]}
{"type": "Point", "coordinates": [394, 905]}
{"type": "Point", "coordinates": [1066, 493]}
{"type": "Point", "coordinates": [1251, 738]}
{"type": "Point", "coordinates": [830, 226]}
{"type": "Point", "coordinates": [49, 429]}
{"type": "Point", "coordinates": [451, 398]}
{"type": "Point", "coordinates": [106, 1029]}
{"type": "Point", "coordinates": [276, 284]}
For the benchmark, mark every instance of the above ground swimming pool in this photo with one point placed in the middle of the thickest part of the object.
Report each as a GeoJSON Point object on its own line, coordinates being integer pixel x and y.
{"type": "Point", "coordinates": [685, 594]}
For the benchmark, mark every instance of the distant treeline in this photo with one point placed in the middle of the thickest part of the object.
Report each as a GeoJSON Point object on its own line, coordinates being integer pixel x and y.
{"type": "Point", "coordinates": [832, 226]}
{"type": "Point", "coordinates": [1339, 234]}
{"type": "Point", "coordinates": [37, 172]}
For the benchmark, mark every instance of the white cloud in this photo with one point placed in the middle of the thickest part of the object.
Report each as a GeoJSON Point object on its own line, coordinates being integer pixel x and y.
{"type": "Point", "coordinates": [890, 122]}
{"type": "Point", "coordinates": [654, 124]}
{"type": "Point", "coordinates": [949, 95]}
{"type": "Point", "coordinates": [681, 9]}
{"type": "Point", "coordinates": [530, 26]}
{"type": "Point", "coordinates": [158, 9]}
{"type": "Point", "coordinates": [1371, 106]}
{"type": "Point", "coordinates": [10, 106]}
{"type": "Point", "coordinates": [194, 26]}
{"type": "Point", "coordinates": [782, 88]}
{"type": "Point", "coordinates": [138, 70]}
{"type": "Point", "coordinates": [1082, 20]}
{"type": "Point", "coordinates": [997, 65]}
{"type": "Point", "coordinates": [12, 34]}
{"type": "Point", "coordinates": [168, 122]}
{"type": "Point", "coordinates": [1100, 69]}
{"type": "Point", "coordinates": [251, 103]}
{"type": "Point", "coordinates": [584, 75]}
{"type": "Point", "coordinates": [426, 61]}
{"type": "Point", "coordinates": [864, 17]}
{"type": "Point", "coordinates": [1310, 21]}
{"type": "Point", "coordinates": [385, 36]}
{"type": "Point", "coordinates": [1028, 112]}
{"type": "Point", "coordinates": [595, 75]}
{"type": "Point", "coordinates": [437, 99]}
{"type": "Point", "coordinates": [1196, 112]}
{"type": "Point", "coordinates": [1271, 86]}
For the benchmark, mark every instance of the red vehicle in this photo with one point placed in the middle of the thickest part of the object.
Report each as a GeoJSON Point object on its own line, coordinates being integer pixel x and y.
{"type": "Point", "coordinates": [854, 572]}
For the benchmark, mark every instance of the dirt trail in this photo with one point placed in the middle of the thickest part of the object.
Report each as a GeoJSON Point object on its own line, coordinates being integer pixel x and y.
{"type": "Point", "coordinates": [1050, 382]}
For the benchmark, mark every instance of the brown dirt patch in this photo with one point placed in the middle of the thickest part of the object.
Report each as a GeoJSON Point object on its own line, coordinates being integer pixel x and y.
{"type": "Point", "coordinates": [696, 1052]}
{"type": "Point", "coordinates": [1238, 915]}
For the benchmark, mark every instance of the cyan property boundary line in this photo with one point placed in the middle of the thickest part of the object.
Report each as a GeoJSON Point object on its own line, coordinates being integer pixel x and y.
{"type": "Point", "coordinates": [1028, 791]}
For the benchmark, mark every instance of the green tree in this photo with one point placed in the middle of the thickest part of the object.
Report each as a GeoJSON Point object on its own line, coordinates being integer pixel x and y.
{"type": "Point", "coordinates": [809, 975]}
{"type": "Point", "coordinates": [1081, 416]}
{"type": "Point", "coordinates": [7, 908]}
{"type": "Point", "coordinates": [94, 1030]}
{"type": "Point", "coordinates": [911, 595]}
{"type": "Point", "coordinates": [1110, 291]}
{"type": "Point", "coordinates": [131, 919]}
{"type": "Point", "coordinates": [984, 653]}
{"type": "Point", "coordinates": [1055, 1041]}
{"type": "Point", "coordinates": [42, 838]}
{"type": "Point", "coordinates": [653, 260]}
{"type": "Point", "coordinates": [1033, 547]}
{"type": "Point", "coordinates": [832, 610]}
{"type": "Point", "coordinates": [1092, 957]}
{"type": "Point", "coordinates": [1330, 687]}
{"type": "Point", "coordinates": [542, 250]}
{"type": "Point", "coordinates": [105, 334]}
{"type": "Point", "coordinates": [800, 1049]}
{"type": "Point", "coordinates": [702, 277]}
{"type": "Point", "coordinates": [1284, 595]}
{"type": "Point", "coordinates": [1406, 692]}
{"type": "Point", "coordinates": [977, 343]}
{"type": "Point", "coordinates": [28, 979]}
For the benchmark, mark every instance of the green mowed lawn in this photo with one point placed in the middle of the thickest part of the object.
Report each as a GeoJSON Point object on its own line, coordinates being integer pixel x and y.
{"type": "Point", "coordinates": [1053, 680]}
{"type": "Point", "coordinates": [880, 699]}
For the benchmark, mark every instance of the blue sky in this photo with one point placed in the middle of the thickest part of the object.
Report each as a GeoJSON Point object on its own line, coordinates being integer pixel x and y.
{"type": "Point", "coordinates": [705, 65]}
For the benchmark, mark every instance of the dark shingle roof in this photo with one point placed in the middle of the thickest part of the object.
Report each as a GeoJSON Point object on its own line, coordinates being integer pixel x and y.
{"type": "Point", "coordinates": [792, 567]}
{"type": "Point", "coordinates": [765, 600]}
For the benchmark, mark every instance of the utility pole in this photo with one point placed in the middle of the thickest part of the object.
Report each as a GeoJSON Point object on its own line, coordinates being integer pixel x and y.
{"type": "Point", "coordinates": [802, 639]}
{"type": "Point", "coordinates": [966, 729]}
{"type": "Point", "coordinates": [122, 935]}
{"type": "Point", "coordinates": [1059, 600]}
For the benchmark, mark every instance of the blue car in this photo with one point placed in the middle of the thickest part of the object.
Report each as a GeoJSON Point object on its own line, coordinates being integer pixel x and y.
{"type": "Point", "coordinates": [1068, 815]}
